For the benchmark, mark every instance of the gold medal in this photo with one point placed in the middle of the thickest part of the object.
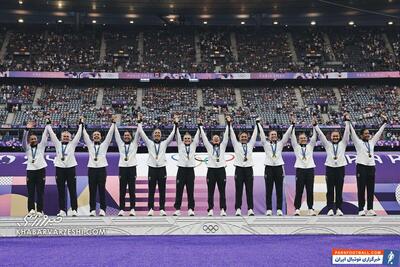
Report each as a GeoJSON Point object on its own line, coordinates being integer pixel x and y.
{"type": "Point", "coordinates": [33, 161]}
{"type": "Point", "coordinates": [126, 159]}
{"type": "Point", "coordinates": [274, 156]}
{"type": "Point", "coordinates": [245, 159]}
{"type": "Point", "coordinates": [369, 155]}
{"type": "Point", "coordinates": [95, 159]}
{"type": "Point", "coordinates": [62, 158]}
{"type": "Point", "coordinates": [335, 158]}
{"type": "Point", "coordinates": [217, 160]}
{"type": "Point", "coordinates": [304, 158]}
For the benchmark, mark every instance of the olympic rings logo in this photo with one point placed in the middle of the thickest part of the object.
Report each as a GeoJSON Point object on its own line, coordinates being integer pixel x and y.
{"type": "Point", "coordinates": [210, 228]}
{"type": "Point", "coordinates": [228, 157]}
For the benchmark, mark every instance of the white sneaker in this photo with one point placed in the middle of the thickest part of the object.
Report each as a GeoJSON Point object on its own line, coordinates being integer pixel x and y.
{"type": "Point", "coordinates": [150, 213]}
{"type": "Point", "coordinates": [371, 213]}
{"type": "Point", "coordinates": [268, 213]}
{"type": "Point", "coordinates": [61, 214]}
{"type": "Point", "coordinates": [132, 212]}
{"type": "Point", "coordinates": [297, 212]}
{"type": "Point", "coordinates": [190, 212]}
{"type": "Point", "coordinates": [339, 212]}
{"type": "Point", "coordinates": [40, 213]}
{"type": "Point", "coordinates": [223, 213]}
{"type": "Point", "coordinates": [32, 212]}
{"type": "Point", "coordinates": [311, 212]}
{"type": "Point", "coordinates": [330, 212]}
{"type": "Point", "coordinates": [250, 212]}
{"type": "Point", "coordinates": [279, 213]}
{"type": "Point", "coordinates": [163, 213]}
{"type": "Point", "coordinates": [238, 212]}
{"type": "Point", "coordinates": [121, 213]}
{"type": "Point", "coordinates": [93, 213]}
{"type": "Point", "coordinates": [361, 213]}
{"type": "Point", "coordinates": [177, 213]}
{"type": "Point", "coordinates": [102, 213]}
{"type": "Point", "coordinates": [73, 213]}
{"type": "Point", "coordinates": [210, 213]}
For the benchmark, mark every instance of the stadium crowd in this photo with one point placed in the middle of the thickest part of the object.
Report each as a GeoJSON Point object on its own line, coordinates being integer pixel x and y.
{"type": "Point", "coordinates": [204, 49]}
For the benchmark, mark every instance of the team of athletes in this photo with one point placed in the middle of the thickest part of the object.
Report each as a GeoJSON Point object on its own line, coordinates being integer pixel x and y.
{"type": "Point", "coordinates": [243, 144]}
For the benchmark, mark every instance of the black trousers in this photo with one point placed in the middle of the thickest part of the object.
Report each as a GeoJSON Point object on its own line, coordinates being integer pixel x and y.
{"type": "Point", "coordinates": [127, 177]}
{"type": "Point", "coordinates": [365, 179]}
{"type": "Point", "coordinates": [304, 178]}
{"type": "Point", "coordinates": [157, 176]}
{"type": "Point", "coordinates": [244, 177]}
{"type": "Point", "coordinates": [35, 181]}
{"type": "Point", "coordinates": [273, 175]}
{"type": "Point", "coordinates": [66, 175]}
{"type": "Point", "coordinates": [185, 177]}
{"type": "Point", "coordinates": [216, 176]}
{"type": "Point", "coordinates": [334, 183]}
{"type": "Point", "coordinates": [97, 181]}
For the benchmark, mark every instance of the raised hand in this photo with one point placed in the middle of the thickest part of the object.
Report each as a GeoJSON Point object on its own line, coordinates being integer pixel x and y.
{"type": "Point", "coordinates": [199, 121]}
{"type": "Point", "coordinates": [314, 121]}
{"type": "Point", "coordinates": [292, 118]}
{"type": "Point", "coordinates": [81, 120]}
{"type": "Point", "coordinates": [346, 116]}
{"type": "Point", "coordinates": [228, 119]}
{"type": "Point", "coordinates": [113, 119]}
{"type": "Point", "coordinates": [258, 120]}
{"type": "Point", "coordinates": [176, 119]}
{"type": "Point", "coordinates": [384, 117]}
{"type": "Point", "coordinates": [140, 117]}
{"type": "Point", "coordinates": [30, 125]}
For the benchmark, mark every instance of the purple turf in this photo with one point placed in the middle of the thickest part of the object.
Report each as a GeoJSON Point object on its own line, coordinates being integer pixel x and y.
{"type": "Point", "coordinates": [191, 251]}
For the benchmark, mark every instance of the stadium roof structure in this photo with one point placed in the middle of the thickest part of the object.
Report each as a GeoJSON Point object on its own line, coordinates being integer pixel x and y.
{"type": "Point", "coordinates": [198, 12]}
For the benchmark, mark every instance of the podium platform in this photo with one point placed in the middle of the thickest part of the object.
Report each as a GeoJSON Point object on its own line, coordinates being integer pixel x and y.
{"type": "Point", "coordinates": [258, 225]}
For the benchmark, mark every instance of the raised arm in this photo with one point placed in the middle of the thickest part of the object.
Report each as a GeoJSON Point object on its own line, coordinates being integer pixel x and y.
{"type": "Point", "coordinates": [25, 139]}
{"type": "Point", "coordinates": [206, 143]}
{"type": "Point", "coordinates": [313, 139]}
{"type": "Point", "coordinates": [353, 134]}
{"type": "Point", "coordinates": [286, 135]}
{"type": "Point", "coordinates": [143, 134]}
{"type": "Point", "coordinates": [293, 139]}
{"type": "Point", "coordinates": [171, 136]}
{"type": "Point", "coordinates": [178, 136]}
{"type": "Point", "coordinates": [45, 137]}
{"type": "Point", "coordinates": [378, 135]}
{"type": "Point", "coordinates": [254, 136]}
{"type": "Point", "coordinates": [262, 134]}
{"type": "Point", "coordinates": [136, 137]}
{"type": "Point", "coordinates": [86, 137]}
{"type": "Point", "coordinates": [110, 134]}
{"type": "Point", "coordinates": [346, 134]}
{"type": "Point", "coordinates": [196, 138]}
{"type": "Point", "coordinates": [322, 136]}
{"type": "Point", "coordinates": [118, 137]}
{"type": "Point", "coordinates": [233, 135]}
{"type": "Point", "coordinates": [77, 136]}
{"type": "Point", "coordinates": [53, 136]}
{"type": "Point", "coordinates": [225, 139]}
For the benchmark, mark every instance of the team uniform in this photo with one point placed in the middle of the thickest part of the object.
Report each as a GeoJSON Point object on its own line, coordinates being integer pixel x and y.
{"type": "Point", "coordinates": [243, 170]}
{"type": "Point", "coordinates": [65, 163]}
{"type": "Point", "coordinates": [157, 168]}
{"type": "Point", "coordinates": [274, 172]}
{"type": "Point", "coordinates": [366, 169]}
{"type": "Point", "coordinates": [36, 171]}
{"type": "Point", "coordinates": [216, 174]}
{"type": "Point", "coordinates": [304, 166]}
{"type": "Point", "coordinates": [335, 164]}
{"type": "Point", "coordinates": [127, 170]}
{"type": "Point", "coordinates": [97, 171]}
{"type": "Point", "coordinates": [185, 175]}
